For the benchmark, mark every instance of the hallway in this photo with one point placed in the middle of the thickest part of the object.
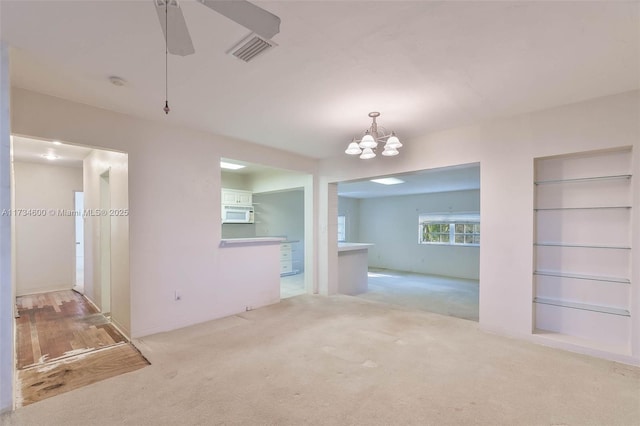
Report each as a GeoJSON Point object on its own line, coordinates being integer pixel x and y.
{"type": "Point", "coordinates": [63, 343]}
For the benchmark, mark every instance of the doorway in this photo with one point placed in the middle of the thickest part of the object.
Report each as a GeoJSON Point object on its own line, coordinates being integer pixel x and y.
{"type": "Point", "coordinates": [281, 213]}
{"type": "Point", "coordinates": [424, 228]}
{"type": "Point", "coordinates": [71, 261]}
{"type": "Point", "coordinates": [78, 201]}
{"type": "Point", "coordinates": [283, 207]}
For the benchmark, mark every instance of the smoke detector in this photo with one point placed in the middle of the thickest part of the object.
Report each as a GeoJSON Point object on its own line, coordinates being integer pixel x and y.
{"type": "Point", "coordinates": [117, 81]}
{"type": "Point", "coordinates": [250, 47]}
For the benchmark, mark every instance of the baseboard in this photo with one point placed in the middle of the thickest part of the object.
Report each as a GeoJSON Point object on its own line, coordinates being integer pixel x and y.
{"type": "Point", "coordinates": [565, 346]}
{"type": "Point", "coordinates": [122, 329]}
{"type": "Point", "coordinates": [140, 334]}
{"type": "Point", "coordinates": [91, 302]}
{"type": "Point", "coordinates": [42, 290]}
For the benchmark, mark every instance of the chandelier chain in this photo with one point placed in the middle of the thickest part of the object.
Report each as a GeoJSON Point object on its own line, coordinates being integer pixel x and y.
{"type": "Point", "coordinates": [166, 57]}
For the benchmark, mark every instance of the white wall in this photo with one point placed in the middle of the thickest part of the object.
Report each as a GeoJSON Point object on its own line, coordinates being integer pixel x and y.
{"type": "Point", "coordinates": [391, 223]}
{"type": "Point", "coordinates": [95, 164]}
{"type": "Point", "coordinates": [238, 230]}
{"type": "Point", "coordinates": [284, 180]}
{"type": "Point", "coordinates": [174, 204]}
{"type": "Point", "coordinates": [350, 209]}
{"type": "Point", "coordinates": [234, 180]}
{"type": "Point", "coordinates": [7, 283]}
{"type": "Point", "coordinates": [327, 237]}
{"type": "Point", "coordinates": [282, 214]}
{"type": "Point", "coordinates": [277, 180]}
{"type": "Point", "coordinates": [45, 244]}
{"type": "Point", "coordinates": [506, 150]}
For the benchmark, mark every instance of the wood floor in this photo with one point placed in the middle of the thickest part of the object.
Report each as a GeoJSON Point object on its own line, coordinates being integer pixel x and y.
{"type": "Point", "coordinates": [64, 343]}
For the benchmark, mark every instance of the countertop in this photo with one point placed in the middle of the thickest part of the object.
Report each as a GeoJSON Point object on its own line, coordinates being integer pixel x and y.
{"type": "Point", "coordinates": [353, 246]}
{"type": "Point", "coordinates": [226, 242]}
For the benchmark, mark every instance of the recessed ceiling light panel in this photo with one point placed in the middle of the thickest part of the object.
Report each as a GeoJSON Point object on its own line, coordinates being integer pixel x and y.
{"type": "Point", "coordinates": [231, 166]}
{"type": "Point", "coordinates": [50, 157]}
{"type": "Point", "coordinates": [388, 181]}
{"type": "Point", "coordinates": [57, 142]}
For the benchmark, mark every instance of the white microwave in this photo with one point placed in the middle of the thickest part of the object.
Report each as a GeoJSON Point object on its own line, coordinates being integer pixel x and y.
{"type": "Point", "coordinates": [237, 214]}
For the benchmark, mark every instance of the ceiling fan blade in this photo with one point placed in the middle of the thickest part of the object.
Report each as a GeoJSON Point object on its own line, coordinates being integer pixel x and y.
{"type": "Point", "coordinates": [179, 41]}
{"type": "Point", "coordinates": [250, 16]}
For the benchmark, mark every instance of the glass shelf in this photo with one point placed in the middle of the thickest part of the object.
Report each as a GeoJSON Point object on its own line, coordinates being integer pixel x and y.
{"type": "Point", "coordinates": [592, 246]}
{"type": "Point", "coordinates": [582, 208]}
{"type": "Point", "coordinates": [583, 306]}
{"type": "Point", "coordinates": [583, 277]}
{"type": "Point", "coordinates": [584, 179]}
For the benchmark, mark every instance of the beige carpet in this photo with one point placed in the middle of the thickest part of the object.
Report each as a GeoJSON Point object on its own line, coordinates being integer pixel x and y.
{"type": "Point", "coordinates": [346, 361]}
{"type": "Point", "coordinates": [455, 297]}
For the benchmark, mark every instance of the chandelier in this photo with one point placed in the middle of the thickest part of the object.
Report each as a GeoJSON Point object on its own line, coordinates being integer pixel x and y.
{"type": "Point", "coordinates": [366, 147]}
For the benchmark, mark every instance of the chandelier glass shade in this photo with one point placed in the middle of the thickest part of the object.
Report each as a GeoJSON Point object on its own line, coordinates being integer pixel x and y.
{"type": "Point", "coordinates": [374, 135]}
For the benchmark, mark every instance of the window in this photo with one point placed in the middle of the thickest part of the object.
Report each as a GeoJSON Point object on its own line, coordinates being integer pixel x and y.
{"type": "Point", "coordinates": [342, 228]}
{"type": "Point", "coordinates": [436, 233]}
{"type": "Point", "coordinates": [466, 233]}
{"type": "Point", "coordinates": [452, 229]}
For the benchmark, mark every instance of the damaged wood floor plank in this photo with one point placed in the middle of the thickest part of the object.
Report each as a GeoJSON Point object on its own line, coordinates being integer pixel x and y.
{"type": "Point", "coordinates": [54, 324]}
{"type": "Point", "coordinates": [53, 378]}
{"type": "Point", "coordinates": [63, 343]}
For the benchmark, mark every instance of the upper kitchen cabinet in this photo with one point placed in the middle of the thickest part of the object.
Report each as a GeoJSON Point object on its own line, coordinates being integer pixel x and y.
{"type": "Point", "coordinates": [236, 196]}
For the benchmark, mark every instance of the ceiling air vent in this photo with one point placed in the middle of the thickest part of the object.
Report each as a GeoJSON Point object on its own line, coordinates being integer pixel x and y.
{"type": "Point", "coordinates": [250, 47]}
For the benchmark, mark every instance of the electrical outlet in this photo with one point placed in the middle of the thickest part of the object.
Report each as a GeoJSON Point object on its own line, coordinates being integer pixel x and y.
{"type": "Point", "coordinates": [177, 295]}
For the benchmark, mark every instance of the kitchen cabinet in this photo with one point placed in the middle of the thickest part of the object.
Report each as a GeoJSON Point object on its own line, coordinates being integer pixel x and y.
{"type": "Point", "coordinates": [286, 259]}
{"type": "Point", "coordinates": [236, 196]}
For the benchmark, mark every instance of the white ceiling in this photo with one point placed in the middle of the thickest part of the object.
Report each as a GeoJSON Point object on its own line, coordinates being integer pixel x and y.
{"type": "Point", "coordinates": [424, 65]}
{"type": "Point", "coordinates": [32, 151]}
{"type": "Point", "coordinates": [458, 178]}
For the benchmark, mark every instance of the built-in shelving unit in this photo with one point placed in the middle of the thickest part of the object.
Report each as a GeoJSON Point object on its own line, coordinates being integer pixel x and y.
{"type": "Point", "coordinates": [582, 248]}
{"type": "Point", "coordinates": [582, 179]}
{"type": "Point", "coordinates": [583, 306]}
{"type": "Point", "coordinates": [584, 208]}
{"type": "Point", "coordinates": [583, 277]}
{"type": "Point", "coordinates": [545, 244]}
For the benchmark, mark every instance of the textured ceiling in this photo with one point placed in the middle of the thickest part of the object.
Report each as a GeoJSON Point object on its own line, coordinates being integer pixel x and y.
{"type": "Point", "coordinates": [424, 65]}
{"type": "Point", "coordinates": [457, 178]}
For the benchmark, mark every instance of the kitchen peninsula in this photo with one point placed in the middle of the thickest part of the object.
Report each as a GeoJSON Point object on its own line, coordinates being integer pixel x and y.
{"type": "Point", "coordinates": [353, 265]}
{"type": "Point", "coordinates": [244, 259]}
